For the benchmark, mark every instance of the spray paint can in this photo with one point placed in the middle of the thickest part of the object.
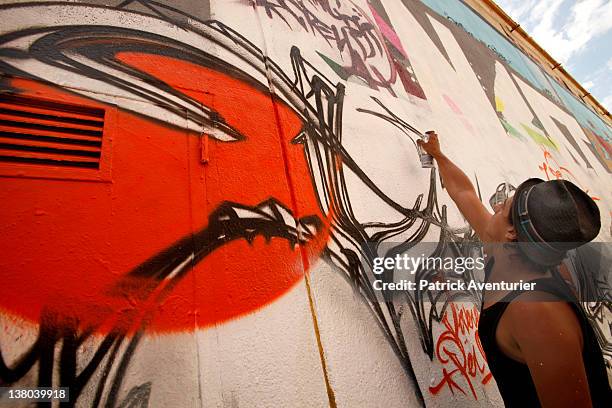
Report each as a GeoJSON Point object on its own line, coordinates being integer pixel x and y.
{"type": "Point", "coordinates": [427, 160]}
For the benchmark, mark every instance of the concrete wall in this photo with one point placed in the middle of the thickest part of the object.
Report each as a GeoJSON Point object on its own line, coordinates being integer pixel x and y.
{"type": "Point", "coordinates": [187, 188]}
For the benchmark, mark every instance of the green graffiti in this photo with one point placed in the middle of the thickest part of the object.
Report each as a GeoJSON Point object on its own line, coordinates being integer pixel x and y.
{"type": "Point", "coordinates": [540, 138]}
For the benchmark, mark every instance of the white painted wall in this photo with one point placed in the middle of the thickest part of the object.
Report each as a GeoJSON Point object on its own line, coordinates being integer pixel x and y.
{"type": "Point", "coordinates": [321, 344]}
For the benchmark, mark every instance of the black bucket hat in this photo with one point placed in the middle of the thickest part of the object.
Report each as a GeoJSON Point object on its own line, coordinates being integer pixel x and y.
{"type": "Point", "coordinates": [552, 217]}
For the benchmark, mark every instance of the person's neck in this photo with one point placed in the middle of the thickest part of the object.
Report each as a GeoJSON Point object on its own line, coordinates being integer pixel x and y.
{"type": "Point", "coordinates": [511, 266]}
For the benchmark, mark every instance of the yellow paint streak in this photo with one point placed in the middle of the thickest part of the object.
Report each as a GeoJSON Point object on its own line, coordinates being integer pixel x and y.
{"type": "Point", "coordinates": [330, 392]}
{"type": "Point", "coordinates": [499, 104]}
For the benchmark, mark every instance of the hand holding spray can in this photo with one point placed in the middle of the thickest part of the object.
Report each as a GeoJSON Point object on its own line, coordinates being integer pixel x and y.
{"type": "Point", "coordinates": [427, 160]}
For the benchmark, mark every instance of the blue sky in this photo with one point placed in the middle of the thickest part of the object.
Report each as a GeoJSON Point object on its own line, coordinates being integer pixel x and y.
{"type": "Point", "coordinates": [577, 33]}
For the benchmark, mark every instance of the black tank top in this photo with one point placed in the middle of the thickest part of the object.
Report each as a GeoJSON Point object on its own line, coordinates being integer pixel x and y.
{"type": "Point", "coordinates": [513, 378]}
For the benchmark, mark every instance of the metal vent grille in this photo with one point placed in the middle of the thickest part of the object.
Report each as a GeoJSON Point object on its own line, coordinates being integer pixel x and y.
{"type": "Point", "coordinates": [49, 133]}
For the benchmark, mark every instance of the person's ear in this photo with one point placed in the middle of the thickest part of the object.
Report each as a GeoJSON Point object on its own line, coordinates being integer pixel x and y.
{"type": "Point", "coordinates": [510, 233]}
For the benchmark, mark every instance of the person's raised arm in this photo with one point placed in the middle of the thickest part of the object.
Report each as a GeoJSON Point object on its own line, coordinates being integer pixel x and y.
{"type": "Point", "coordinates": [459, 187]}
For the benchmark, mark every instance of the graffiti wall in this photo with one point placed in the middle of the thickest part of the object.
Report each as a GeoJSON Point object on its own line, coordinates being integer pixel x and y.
{"type": "Point", "coordinates": [193, 194]}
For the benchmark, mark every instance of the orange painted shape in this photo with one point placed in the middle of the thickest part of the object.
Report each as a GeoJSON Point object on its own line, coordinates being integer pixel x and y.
{"type": "Point", "coordinates": [69, 243]}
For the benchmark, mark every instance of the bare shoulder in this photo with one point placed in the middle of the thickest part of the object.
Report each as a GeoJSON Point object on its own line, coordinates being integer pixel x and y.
{"type": "Point", "coordinates": [540, 317]}
{"type": "Point", "coordinates": [548, 338]}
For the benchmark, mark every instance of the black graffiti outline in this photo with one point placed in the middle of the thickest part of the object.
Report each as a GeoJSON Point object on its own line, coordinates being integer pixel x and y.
{"type": "Point", "coordinates": [319, 103]}
{"type": "Point", "coordinates": [357, 28]}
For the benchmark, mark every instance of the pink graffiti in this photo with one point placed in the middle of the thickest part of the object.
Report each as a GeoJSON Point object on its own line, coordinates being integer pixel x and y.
{"type": "Point", "coordinates": [460, 352]}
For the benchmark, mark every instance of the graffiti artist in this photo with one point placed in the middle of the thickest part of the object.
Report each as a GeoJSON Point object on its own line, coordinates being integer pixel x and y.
{"type": "Point", "coordinates": [539, 344]}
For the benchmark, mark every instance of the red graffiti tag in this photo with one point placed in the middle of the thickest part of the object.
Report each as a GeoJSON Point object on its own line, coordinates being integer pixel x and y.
{"type": "Point", "coordinates": [551, 167]}
{"type": "Point", "coordinates": [460, 357]}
